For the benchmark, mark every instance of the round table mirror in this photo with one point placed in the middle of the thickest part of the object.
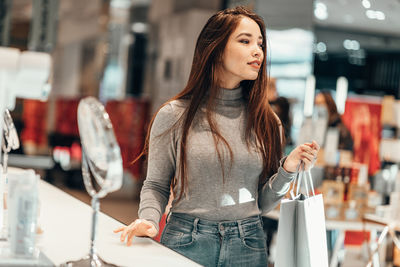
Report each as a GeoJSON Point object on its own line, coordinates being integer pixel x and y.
{"type": "Point", "coordinates": [101, 164]}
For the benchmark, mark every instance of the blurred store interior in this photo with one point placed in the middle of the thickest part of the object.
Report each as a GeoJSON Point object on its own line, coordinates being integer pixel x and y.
{"type": "Point", "coordinates": [133, 55]}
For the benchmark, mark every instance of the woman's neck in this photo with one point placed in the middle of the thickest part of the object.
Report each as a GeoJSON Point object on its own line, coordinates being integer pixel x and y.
{"type": "Point", "coordinates": [229, 85]}
{"type": "Point", "coordinates": [226, 79]}
{"type": "Point", "coordinates": [228, 82]}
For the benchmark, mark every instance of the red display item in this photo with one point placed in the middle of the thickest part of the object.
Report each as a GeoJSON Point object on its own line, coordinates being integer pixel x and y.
{"type": "Point", "coordinates": [135, 150]}
{"type": "Point", "coordinates": [363, 118]}
{"type": "Point", "coordinates": [76, 151]}
{"type": "Point", "coordinates": [356, 238]}
{"type": "Point", "coordinates": [66, 116]}
{"type": "Point", "coordinates": [35, 108]}
{"type": "Point", "coordinates": [130, 119]}
{"type": "Point", "coordinates": [34, 116]}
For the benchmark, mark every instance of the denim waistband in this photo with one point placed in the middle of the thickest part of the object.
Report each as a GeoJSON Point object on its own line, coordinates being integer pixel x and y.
{"type": "Point", "coordinates": [197, 224]}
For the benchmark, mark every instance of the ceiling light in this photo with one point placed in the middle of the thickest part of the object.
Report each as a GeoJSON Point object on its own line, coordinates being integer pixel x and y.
{"type": "Point", "coordinates": [347, 44]}
{"type": "Point", "coordinates": [372, 14]}
{"type": "Point", "coordinates": [380, 15]}
{"type": "Point", "coordinates": [351, 44]}
{"type": "Point", "coordinates": [321, 6]}
{"type": "Point", "coordinates": [366, 3]}
{"type": "Point", "coordinates": [321, 11]}
{"type": "Point", "coordinates": [355, 45]}
{"type": "Point", "coordinates": [321, 47]}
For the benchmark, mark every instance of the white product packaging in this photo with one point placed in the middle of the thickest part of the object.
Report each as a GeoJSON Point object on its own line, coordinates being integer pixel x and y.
{"type": "Point", "coordinates": [23, 210]}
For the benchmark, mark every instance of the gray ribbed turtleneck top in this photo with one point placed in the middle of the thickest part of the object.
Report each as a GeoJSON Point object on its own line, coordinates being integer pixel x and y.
{"type": "Point", "coordinates": [207, 196]}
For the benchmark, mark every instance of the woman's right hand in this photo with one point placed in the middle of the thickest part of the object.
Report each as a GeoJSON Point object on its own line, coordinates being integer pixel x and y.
{"type": "Point", "coordinates": [306, 152]}
{"type": "Point", "coordinates": [139, 227]}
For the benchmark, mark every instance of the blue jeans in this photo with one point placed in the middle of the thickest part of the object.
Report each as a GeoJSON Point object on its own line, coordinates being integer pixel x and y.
{"type": "Point", "coordinates": [212, 243]}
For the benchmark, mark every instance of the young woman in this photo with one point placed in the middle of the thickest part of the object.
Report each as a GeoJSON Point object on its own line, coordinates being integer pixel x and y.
{"type": "Point", "coordinates": [218, 145]}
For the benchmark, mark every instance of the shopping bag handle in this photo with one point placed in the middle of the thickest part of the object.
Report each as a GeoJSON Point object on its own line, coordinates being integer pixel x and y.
{"type": "Point", "coordinates": [297, 179]}
{"type": "Point", "coordinates": [308, 174]}
{"type": "Point", "coordinates": [300, 173]}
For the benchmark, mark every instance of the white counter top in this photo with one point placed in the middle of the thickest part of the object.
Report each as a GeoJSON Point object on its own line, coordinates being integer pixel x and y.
{"type": "Point", "coordinates": [66, 222]}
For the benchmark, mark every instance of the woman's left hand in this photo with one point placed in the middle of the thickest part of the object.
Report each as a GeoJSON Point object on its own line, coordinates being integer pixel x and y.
{"type": "Point", "coordinates": [306, 152]}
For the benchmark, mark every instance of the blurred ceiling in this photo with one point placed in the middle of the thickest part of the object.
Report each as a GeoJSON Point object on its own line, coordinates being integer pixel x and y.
{"type": "Point", "coordinates": [77, 20]}
{"type": "Point", "coordinates": [279, 14]}
{"type": "Point", "coordinates": [343, 15]}
{"type": "Point", "coordinates": [284, 14]}
{"type": "Point", "coordinates": [373, 24]}
{"type": "Point", "coordinates": [352, 15]}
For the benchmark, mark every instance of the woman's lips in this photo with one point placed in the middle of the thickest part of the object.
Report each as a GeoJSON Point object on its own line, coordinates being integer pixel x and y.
{"type": "Point", "coordinates": [255, 64]}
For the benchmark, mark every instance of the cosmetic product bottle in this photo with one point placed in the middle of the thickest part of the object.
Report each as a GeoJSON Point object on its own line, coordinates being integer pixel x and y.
{"type": "Point", "coordinates": [23, 214]}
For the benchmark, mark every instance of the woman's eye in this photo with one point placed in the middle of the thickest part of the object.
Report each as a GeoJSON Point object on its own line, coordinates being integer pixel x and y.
{"type": "Point", "coordinates": [244, 41]}
{"type": "Point", "coordinates": [261, 46]}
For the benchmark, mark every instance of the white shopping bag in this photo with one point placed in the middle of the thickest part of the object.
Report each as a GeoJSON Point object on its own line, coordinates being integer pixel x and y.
{"type": "Point", "coordinates": [301, 238]}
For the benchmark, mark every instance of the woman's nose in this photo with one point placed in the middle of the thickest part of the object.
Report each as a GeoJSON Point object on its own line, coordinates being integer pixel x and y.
{"type": "Point", "coordinates": [257, 52]}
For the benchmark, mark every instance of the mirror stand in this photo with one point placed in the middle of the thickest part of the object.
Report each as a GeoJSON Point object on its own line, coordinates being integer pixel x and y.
{"type": "Point", "coordinates": [101, 166]}
{"type": "Point", "coordinates": [93, 259]}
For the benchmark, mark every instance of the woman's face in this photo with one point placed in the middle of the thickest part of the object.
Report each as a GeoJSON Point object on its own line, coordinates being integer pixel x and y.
{"type": "Point", "coordinates": [243, 54]}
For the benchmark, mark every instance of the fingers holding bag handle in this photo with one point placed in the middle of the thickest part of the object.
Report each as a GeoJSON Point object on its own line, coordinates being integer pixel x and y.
{"type": "Point", "coordinates": [306, 153]}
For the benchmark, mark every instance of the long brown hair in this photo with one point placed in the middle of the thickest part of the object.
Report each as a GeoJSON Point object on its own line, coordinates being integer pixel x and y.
{"type": "Point", "coordinates": [203, 87]}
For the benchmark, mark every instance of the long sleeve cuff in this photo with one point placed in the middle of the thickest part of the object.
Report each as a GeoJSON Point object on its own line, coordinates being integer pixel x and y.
{"type": "Point", "coordinates": [281, 181]}
{"type": "Point", "coordinates": [152, 215]}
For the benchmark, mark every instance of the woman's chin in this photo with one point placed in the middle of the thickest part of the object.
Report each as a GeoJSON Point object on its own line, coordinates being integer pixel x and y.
{"type": "Point", "coordinates": [252, 77]}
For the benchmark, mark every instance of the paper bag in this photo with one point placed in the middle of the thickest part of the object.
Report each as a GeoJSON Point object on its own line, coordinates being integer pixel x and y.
{"type": "Point", "coordinates": [301, 238]}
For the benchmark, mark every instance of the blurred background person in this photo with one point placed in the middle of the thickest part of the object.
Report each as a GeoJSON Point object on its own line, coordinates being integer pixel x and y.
{"type": "Point", "coordinates": [281, 107]}
{"type": "Point", "coordinates": [324, 99]}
